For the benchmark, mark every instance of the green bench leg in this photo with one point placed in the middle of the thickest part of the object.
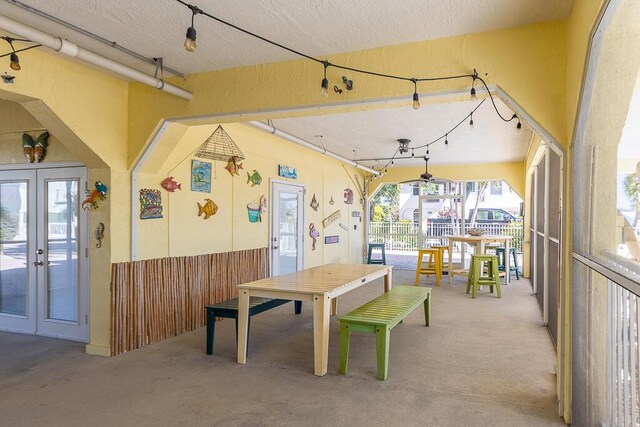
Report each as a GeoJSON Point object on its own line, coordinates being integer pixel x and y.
{"type": "Point", "coordinates": [344, 347]}
{"type": "Point", "coordinates": [427, 311]}
{"type": "Point", "coordinates": [382, 351]}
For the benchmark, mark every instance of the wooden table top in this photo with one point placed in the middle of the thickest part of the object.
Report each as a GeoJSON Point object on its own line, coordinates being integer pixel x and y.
{"type": "Point", "coordinates": [483, 238]}
{"type": "Point", "coordinates": [322, 279]}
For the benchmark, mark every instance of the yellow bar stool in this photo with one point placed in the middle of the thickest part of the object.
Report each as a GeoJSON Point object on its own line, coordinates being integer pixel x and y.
{"type": "Point", "coordinates": [434, 264]}
{"type": "Point", "coordinates": [442, 249]}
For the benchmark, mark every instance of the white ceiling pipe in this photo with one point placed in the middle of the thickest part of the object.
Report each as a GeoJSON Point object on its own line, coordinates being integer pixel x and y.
{"type": "Point", "coordinates": [67, 48]}
{"type": "Point", "coordinates": [268, 128]}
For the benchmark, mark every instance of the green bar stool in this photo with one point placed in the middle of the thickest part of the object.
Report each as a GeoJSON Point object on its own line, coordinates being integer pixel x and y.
{"type": "Point", "coordinates": [513, 266]}
{"type": "Point", "coordinates": [382, 260]}
{"type": "Point", "coordinates": [477, 277]}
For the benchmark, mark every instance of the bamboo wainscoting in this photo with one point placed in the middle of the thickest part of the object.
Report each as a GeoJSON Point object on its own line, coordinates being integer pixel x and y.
{"type": "Point", "coordinates": [155, 299]}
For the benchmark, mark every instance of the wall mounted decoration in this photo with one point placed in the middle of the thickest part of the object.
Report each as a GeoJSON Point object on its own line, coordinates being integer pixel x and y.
{"type": "Point", "coordinates": [348, 196]}
{"type": "Point", "coordinates": [99, 234]}
{"type": "Point", "coordinates": [331, 219]}
{"type": "Point", "coordinates": [219, 146]}
{"type": "Point", "coordinates": [314, 234]}
{"type": "Point", "coordinates": [328, 240]}
{"type": "Point", "coordinates": [314, 203]}
{"type": "Point", "coordinates": [254, 210]}
{"type": "Point", "coordinates": [233, 166]}
{"type": "Point", "coordinates": [35, 151]}
{"type": "Point", "coordinates": [150, 204]}
{"type": "Point", "coordinates": [170, 185]}
{"type": "Point", "coordinates": [254, 178]}
{"type": "Point", "coordinates": [263, 203]}
{"type": "Point", "coordinates": [98, 193]}
{"type": "Point", "coordinates": [331, 202]}
{"type": "Point", "coordinates": [208, 210]}
{"type": "Point", "coordinates": [200, 176]}
{"type": "Point", "coordinates": [344, 227]}
{"type": "Point", "coordinates": [287, 172]}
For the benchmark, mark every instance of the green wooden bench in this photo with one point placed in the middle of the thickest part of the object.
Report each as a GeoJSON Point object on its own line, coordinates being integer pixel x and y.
{"type": "Point", "coordinates": [379, 316]}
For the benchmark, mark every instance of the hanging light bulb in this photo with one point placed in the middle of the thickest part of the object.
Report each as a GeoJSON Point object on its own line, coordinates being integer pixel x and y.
{"type": "Point", "coordinates": [15, 62]}
{"type": "Point", "coordinates": [412, 153]}
{"type": "Point", "coordinates": [324, 86]}
{"type": "Point", "coordinates": [190, 40]}
{"type": "Point", "coordinates": [473, 85]}
{"type": "Point", "coordinates": [446, 141]}
{"type": "Point", "coordinates": [427, 151]}
{"type": "Point", "coordinates": [416, 98]}
{"type": "Point", "coordinates": [518, 128]}
{"type": "Point", "coordinates": [392, 161]}
{"type": "Point", "coordinates": [471, 123]}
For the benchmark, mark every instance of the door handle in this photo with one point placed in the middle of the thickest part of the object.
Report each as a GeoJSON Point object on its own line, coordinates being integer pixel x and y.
{"type": "Point", "coordinates": [37, 263]}
{"type": "Point", "coordinates": [275, 247]}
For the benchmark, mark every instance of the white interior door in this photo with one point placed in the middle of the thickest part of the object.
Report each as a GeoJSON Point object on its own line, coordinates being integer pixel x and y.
{"type": "Point", "coordinates": [287, 228]}
{"type": "Point", "coordinates": [43, 263]}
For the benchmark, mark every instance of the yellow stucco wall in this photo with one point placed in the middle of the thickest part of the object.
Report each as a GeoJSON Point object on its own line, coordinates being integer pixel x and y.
{"type": "Point", "coordinates": [181, 232]}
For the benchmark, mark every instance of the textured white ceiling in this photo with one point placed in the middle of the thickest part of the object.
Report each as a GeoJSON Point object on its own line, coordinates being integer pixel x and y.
{"type": "Point", "coordinates": [373, 134]}
{"type": "Point", "coordinates": [156, 28]}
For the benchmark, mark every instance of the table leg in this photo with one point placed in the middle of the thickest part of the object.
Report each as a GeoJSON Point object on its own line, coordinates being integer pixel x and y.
{"type": "Point", "coordinates": [334, 306]}
{"type": "Point", "coordinates": [450, 259]}
{"type": "Point", "coordinates": [243, 325]}
{"type": "Point", "coordinates": [388, 280]}
{"type": "Point", "coordinates": [320, 334]}
{"type": "Point", "coordinates": [506, 262]}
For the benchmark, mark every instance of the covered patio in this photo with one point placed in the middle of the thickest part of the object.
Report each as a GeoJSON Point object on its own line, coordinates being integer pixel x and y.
{"type": "Point", "coordinates": [484, 361]}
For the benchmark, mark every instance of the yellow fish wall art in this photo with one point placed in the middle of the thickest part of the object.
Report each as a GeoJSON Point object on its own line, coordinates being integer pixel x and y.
{"type": "Point", "coordinates": [208, 210]}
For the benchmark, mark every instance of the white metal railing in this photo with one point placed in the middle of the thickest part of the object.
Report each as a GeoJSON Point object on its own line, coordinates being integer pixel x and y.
{"type": "Point", "coordinates": [623, 341]}
{"type": "Point", "coordinates": [406, 235]}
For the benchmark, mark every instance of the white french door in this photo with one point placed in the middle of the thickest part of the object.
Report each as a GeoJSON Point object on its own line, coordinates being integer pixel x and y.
{"type": "Point", "coordinates": [287, 228]}
{"type": "Point", "coordinates": [43, 264]}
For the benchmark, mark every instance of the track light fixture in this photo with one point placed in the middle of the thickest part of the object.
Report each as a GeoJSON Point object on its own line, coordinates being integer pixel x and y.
{"type": "Point", "coordinates": [416, 98]}
{"type": "Point", "coordinates": [324, 86]}
{"type": "Point", "coordinates": [190, 40]}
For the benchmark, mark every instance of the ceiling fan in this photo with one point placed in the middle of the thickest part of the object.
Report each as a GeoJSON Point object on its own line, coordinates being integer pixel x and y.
{"type": "Point", "coordinates": [426, 176]}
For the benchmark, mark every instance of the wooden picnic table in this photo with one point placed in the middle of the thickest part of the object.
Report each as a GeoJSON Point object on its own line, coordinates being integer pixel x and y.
{"type": "Point", "coordinates": [319, 285]}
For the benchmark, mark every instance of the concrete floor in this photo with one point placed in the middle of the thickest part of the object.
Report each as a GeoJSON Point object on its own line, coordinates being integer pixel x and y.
{"type": "Point", "coordinates": [482, 362]}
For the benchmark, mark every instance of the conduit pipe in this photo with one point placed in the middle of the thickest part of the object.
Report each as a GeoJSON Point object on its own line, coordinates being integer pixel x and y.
{"type": "Point", "coordinates": [67, 48]}
{"type": "Point", "coordinates": [292, 138]}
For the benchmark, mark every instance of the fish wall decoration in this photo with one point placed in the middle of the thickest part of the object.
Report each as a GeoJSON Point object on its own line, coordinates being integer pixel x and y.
{"type": "Point", "coordinates": [150, 203]}
{"type": "Point", "coordinates": [98, 193]}
{"type": "Point", "coordinates": [209, 208]}
{"type": "Point", "coordinates": [254, 178]}
{"type": "Point", "coordinates": [233, 166]}
{"type": "Point", "coordinates": [170, 185]}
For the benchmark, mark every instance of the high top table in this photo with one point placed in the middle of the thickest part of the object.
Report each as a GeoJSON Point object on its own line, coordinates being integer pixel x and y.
{"type": "Point", "coordinates": [320, 285]}
{"type": "Point", "coordinates": [479, 242]}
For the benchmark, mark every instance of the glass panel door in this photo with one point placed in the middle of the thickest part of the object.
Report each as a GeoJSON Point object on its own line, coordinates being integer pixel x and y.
{"type": "Point", "coordinates": [17, 240]}
{"type": "Point", "coordinates": [286, 229]}
{"type": "Point", "coordinates": [60, 274]}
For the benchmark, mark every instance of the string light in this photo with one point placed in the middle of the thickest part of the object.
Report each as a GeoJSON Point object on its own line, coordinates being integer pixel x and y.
{"type": "Point", "coordinates": [416, 102]}
{"type": "Point", "coordinates": [471, 122]}
{"type": "Point", "coordinates": [473, 86]}
{"type": "Point", "coordinates": [446, 141]}
{"type": "Point", "coordinates": [324, 86]}
{"type": "Point", "coordinates": [518, 128]}
{"type": "Point", "coordinates": [190, 39]}
{"type": "Point", "coordinates": [13, 55]}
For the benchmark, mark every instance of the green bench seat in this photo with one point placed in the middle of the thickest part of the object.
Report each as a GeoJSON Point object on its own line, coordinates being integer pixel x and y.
{"type": "Point", "coordinates": [379, 316]}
